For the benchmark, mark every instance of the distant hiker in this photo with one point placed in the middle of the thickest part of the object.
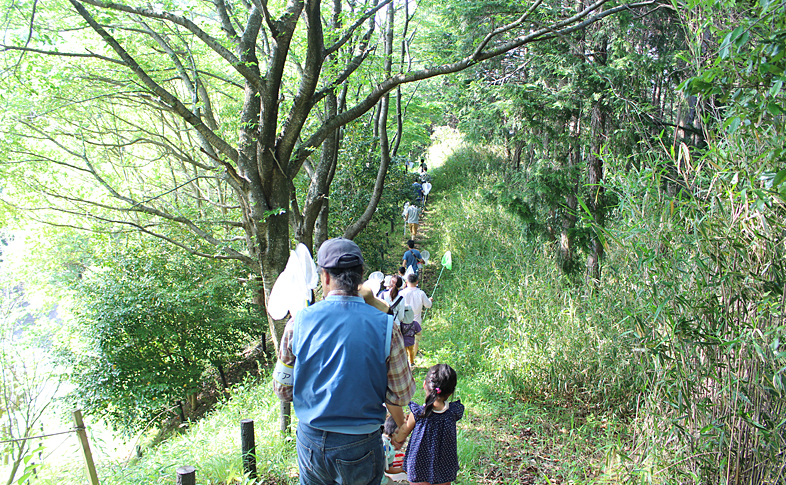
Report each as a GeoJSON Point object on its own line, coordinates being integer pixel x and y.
{"type": "Point", "coordinates": [417, 299]}
{"type": "Point", "coordinates": [432, 452]}
{"type": "Point", "coordinates": [411, 215]}
{"type": "Point", "coordinates": [423, 167]}
{"type": "Point", "coordinates": [410, 331]}
{"type": "Point", "coordinates": [426, 189]}
{"type": "Point", "coordinates": [412, 257]}
{"type": "Point", "coordinates": [340, 360]}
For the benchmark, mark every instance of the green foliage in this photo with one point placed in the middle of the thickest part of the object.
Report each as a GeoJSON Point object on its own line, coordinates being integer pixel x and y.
{"type": "Point", "coordinates": [212, 445]}
{"type": "Point", "coordinates": [151, 323]}
{"type": "Point", "coordinates": [29, 381]}
{"type": "Point", "coordinates": [681, 343]}
{"type": "Point", "coordinates": [746, 78]}
{"type": "Point", "coordinates": [689, 311]}
{"type": "Point", "coordinates": [351, 190]}
{"type": "Point", "coordinates": [536, 198]}
{"type": "Point", "coordinates": [556, 113]}
{"type": "Point", "coordinates": [702, 289]}
{"type": "Point", "coordinates": [669, 370]}
{"type": "Point", "coordinates": [707, 264]}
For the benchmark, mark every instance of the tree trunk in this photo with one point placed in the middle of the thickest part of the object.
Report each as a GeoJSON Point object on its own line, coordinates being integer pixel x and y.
{"type": "Point", "coordinates": [399, 123]}
{"type": "Point", "coordinates": [321, 227]}
{"type": "Point", "coordinates": [319, 189]}
{"type": "Point", "coordinates": [17, 462]}
{"type": "Point", "coordinates": [517, 154]}
{"type": "Point", "coordinates": [596, 202]}
{"type": "Point", "coordinates": [222, 376]}
{"type": "Point", "coordinates": [275, 232]}
{"type": "Point", "coordinates": [192, 402]}
{"type": "Point", "coordinates": [404, 68]}
{"type": "Point", "coordinates": [566, 256]}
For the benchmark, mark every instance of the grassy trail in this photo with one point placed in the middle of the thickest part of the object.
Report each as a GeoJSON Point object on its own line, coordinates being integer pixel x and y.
{"type": "Point", "coordinates": [513, 432]}
{"type": "Point", "coordinates": [496, 447]}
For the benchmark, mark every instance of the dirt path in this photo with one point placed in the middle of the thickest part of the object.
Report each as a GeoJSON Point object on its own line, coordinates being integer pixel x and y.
{"type": "Point", "coordinates": [422, 240]}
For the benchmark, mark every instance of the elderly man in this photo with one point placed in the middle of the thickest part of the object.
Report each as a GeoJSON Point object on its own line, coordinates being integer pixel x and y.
{"type": "Point", "coordinates": [345, 358]}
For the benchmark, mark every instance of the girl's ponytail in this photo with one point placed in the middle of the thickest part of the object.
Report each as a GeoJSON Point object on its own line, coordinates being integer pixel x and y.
{"type": "Point", "coordinates": [441, 382]}
{"type": "Point", "coordinates": [432, 396]}
{"type": "Point", "coordinates": [397, 283]}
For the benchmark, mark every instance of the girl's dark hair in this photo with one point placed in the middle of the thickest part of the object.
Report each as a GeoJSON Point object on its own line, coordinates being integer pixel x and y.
{"type": "Point", "coordinates": [394, 290]}
{"type": "Point", "coordinates": [440, 381]}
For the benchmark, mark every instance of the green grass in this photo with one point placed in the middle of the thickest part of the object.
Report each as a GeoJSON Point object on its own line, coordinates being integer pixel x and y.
{"type": "Point", "coordinates": [543, 368]}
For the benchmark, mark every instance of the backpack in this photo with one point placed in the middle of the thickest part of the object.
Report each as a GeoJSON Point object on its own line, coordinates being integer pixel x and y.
{"type": "Point", "coordinates": [415, 267]}
{"type": "Point", "coordinates": [409, 313]}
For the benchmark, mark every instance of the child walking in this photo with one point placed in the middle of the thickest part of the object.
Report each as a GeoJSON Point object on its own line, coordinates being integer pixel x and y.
{"type": "Point", "coordinates": [394, 459]}
{"type": "Point", "coordinates": [432, 457]}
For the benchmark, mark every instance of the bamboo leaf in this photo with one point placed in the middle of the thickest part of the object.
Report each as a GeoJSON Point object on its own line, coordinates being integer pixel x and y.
{"type": "Point", "coordinates": [779, 177]}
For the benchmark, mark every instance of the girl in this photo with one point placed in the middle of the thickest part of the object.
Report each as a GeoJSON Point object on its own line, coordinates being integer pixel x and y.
{"type": "Point", "coordinates": [394, 300]}
{"type": "Point", "coordinates": [431, 456]}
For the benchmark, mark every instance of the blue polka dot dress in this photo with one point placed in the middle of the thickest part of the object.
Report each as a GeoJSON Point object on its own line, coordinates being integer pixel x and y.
{"type": "Point", "coordinates": [431, 453]}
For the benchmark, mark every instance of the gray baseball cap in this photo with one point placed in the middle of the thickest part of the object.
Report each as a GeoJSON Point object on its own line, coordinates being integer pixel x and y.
{"type": "Point", "coordinates": [339, 253]}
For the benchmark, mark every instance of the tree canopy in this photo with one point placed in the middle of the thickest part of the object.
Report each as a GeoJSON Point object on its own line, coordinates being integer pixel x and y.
{"type": "Point", "coordinates": [192, 123]}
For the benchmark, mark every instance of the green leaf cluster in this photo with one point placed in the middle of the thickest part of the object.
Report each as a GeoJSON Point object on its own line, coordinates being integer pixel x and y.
{"type": "Point", "coordinates": [745, 78]}
{"type": "Point", "coordinates": [151, 323]}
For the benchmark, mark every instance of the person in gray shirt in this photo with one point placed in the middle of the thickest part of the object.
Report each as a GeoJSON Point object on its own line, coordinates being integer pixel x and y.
{"type": "Point", "coordinates": [411, 215]}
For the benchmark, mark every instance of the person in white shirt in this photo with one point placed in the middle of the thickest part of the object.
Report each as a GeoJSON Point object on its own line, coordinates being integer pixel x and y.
{"type": "Point", "coordinates": [417, 299]}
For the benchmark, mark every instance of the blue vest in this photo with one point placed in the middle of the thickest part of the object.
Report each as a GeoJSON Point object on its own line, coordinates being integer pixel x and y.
{"type": "Point", "coordinates": [340, 375]}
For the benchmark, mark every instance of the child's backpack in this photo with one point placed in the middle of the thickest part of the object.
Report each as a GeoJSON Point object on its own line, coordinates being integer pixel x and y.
{"type": "Point", "coordinates": [409, 313]}
{"type": "Point", "coordinates": [410, 329]}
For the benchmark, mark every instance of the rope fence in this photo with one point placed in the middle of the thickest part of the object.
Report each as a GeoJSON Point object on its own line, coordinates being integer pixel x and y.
{"type": "Point", "coordinates": [81, 433]}
{"type": "Point", "coordinates": [185, 475]}
{"type": "Point", "coordinates": [17, 440]}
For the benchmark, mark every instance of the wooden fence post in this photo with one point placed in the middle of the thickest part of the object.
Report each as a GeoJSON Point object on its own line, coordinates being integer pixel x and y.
{"type": "Point", "coordinates": [186, 475]}
{"type": "Point", "coordinates": [81, 433]}
{"type": "Point", "coordinates": [182, 412]}
{"type": "Point", "coordinates": [248, 447]}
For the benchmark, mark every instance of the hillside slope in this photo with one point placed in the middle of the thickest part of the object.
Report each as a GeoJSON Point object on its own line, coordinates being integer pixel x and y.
{"type": "Point", "coordinates": [528, 359]}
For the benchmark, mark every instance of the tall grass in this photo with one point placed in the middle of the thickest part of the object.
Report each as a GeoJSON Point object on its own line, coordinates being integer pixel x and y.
{"type": "Point", "coordinates": [517, 318]}
{"type": "Point", "coordinates": [708, 272]}
{"type": "Point", "coordinates": [533, 351]}
{"type": "Point", "coordinates": [682, 339]}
